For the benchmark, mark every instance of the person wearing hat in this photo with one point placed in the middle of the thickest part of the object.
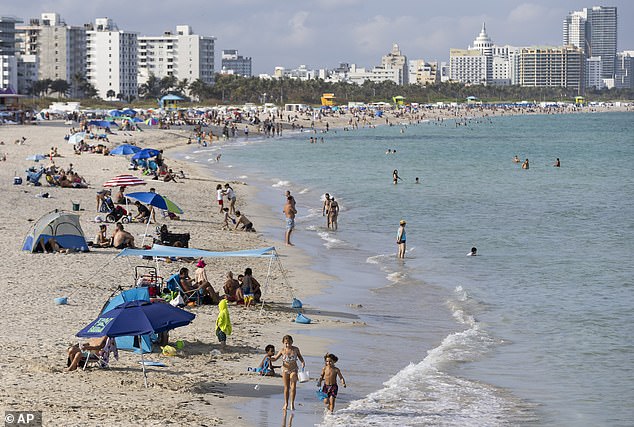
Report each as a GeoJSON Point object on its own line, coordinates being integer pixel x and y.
{"type": "Point", "coordinates": [400, 239]}
{"type": "Point", "coordinates": [202, 283]}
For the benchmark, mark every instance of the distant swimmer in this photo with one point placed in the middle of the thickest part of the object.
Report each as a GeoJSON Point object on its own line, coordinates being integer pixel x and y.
{"type": "Point", "coordinates": [417, 181]}
{"type": "Point", "coordinates": [516, 159]}
{"type": "Point", "coordinates": [474, 252]}
{"type": "Point", "coordinates": [395, 176]}
{"type": "Point", "coordinates": [525, 164]}
{"type": "Point", "coordinates": [557, 163]}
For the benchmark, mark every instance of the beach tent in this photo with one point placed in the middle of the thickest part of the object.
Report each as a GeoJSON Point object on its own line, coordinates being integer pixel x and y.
{"type": "Point", "coordinates": [64, 227]}
{"type": "Point", "coordinates": [144, 343]}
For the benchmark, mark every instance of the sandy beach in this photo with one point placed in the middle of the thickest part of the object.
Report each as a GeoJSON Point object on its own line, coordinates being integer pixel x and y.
{"type": "Point", "coordinates": [199, 386]}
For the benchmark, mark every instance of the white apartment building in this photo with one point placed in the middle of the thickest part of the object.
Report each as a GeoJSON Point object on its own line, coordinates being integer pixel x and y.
{"type": "Point", "coordinates": [376, 75]}
{"type": "Point", "coordinates": [468, 66]}
{"type": "Point", "coordinates": [8, 61]}
{"type": "Point", "coordinates": [422, 73]}
{"type": "Point", "coordinates": [9, 67]}
{"type": "Point", "coordinates": [624, 73]}
{"type": "Point", "coordinates": [183, 55]}
{"type": "Point", "coordinates": [111, 60]}
{"type": "Point", "coordinates": [552, 67]}
{"type": "Point", "coordinates": [593, 73]}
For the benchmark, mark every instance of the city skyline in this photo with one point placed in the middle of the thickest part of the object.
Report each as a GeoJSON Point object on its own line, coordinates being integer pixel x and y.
{"type": "Point", "coordinates": [323, 33]}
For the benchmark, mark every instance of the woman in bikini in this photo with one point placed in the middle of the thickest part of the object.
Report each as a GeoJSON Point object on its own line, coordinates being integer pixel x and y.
{"type": "Point", "coordinates": [289, 354]}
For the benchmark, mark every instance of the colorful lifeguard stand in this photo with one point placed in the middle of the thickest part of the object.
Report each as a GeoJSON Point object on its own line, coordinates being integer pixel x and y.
{"type": "Point", "coordinates": [328, 99]}
{"type": "Point", "coordinates": [580, 101]}
{"type": "Point", "coordinates": [169, 102]}
{"type": "Point", "coordinates": [398, 100]}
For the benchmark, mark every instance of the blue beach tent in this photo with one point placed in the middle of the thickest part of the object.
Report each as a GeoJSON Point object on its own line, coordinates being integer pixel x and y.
{"type": "Point", "coordinates": [144, 344]}
{"type": "Point", "coordinates": [62, 226]}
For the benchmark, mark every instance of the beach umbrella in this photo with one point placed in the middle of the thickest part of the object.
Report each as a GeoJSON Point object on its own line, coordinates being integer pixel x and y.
{"type": "Point", "coordinates": [125, 149]}
{"type": "Point", "coordinates": [129, 112]}
{"type": "Point", "coordinates": [125, 180]}
{"type": "Point", "coordinates": [137, 120]}
{"type": "Point", "coordinates": [36, 157]}
{"type": "Point", "coordinates": [156, 200]}
{"type": "Point", "coordinates": [151, 121]}
{"type": "Point", "coordinates": [76, 137]}
{"type": "Point", "coordinates": [100, 123]}
{"type": "Point", "coordinates": [137, 318]}
{"type": "Point", "coordinates": [115, 113]}
{"type": "Point", "coordinates": [146, 153]}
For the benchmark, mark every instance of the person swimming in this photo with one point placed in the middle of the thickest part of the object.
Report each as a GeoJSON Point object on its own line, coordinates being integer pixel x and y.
{"type": "Point", "coordinates": [474, 252]}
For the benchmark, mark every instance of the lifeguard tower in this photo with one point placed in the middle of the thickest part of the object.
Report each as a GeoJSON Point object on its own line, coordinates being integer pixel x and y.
{"type": "Point", "coordinates": [580, 101]}
{"type": "Point", "coordinates": [169, 102]}
{"type": "Point", "coordinates": [328, 99]}
{"type": "Point", "coordinates": [398, 100]}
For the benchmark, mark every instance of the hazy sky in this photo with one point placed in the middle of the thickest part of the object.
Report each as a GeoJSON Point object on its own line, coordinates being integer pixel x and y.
{"type": "Point", "coordinates": [323, 33]}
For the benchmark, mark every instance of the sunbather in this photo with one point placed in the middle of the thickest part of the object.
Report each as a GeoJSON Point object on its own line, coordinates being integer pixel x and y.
{"type": "Point", "coordinates": [122, 239]}
{"type": "Point", "coordinates": [77, 354]}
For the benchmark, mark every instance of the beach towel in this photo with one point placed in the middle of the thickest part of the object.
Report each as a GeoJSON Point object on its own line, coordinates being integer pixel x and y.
{"type": "Point", "coordinates": [223, 322]}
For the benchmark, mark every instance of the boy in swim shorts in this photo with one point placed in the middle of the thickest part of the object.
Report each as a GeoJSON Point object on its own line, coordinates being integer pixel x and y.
{"type": "Point", "coordinates": [329, 375]}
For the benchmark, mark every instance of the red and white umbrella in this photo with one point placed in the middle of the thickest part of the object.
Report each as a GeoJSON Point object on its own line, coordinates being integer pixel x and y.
{"type": "Point", "coordinates": [126, 180]}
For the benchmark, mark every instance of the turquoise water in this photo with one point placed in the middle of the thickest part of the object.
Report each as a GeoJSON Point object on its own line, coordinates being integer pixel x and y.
{"type": "Point", "coordinates": [536, 330]}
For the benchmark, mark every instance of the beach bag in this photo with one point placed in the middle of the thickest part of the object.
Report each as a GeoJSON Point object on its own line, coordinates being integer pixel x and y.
{"type": "Point", "coordinates": [303, 376]}
{"type": "Point", "coordinates": [178, 301]}
{"type": "Point", "coordinates": [320, 394]}
{"type": "Point", "coordinates": [296, 303]}
{"type": "Point", "coordinates": [168, 351]}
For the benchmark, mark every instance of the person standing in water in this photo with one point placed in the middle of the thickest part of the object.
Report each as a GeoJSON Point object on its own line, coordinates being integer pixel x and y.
{"type": "Point", "coordinates": [401, 239]}
{"type": "Point", "coordinates": [557, 163]}
{"type": "Point", "coordinates": [333, 213]}
{"type": "Point", "coordinates": [395, 176]}
{"type": "Point", "coordinates": [525, 164]}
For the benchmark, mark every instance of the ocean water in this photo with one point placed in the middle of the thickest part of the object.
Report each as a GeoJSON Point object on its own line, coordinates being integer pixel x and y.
{"type": "Point", "coordinates": [535, 330]}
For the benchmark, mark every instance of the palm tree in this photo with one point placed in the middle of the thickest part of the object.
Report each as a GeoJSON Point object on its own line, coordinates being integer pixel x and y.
{"type": "Point", "coordinates": [60, 86]}
{"type": "Point", "coordinates": [199, 89]}
{"type": "Point", "coordinates": [151, 89]}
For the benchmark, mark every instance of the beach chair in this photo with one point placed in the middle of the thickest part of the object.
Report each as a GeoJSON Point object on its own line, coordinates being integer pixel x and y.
{"type": "Point", "coordinates": [188, 296]}
{"type": "Point", "coordinates": [102, 358]}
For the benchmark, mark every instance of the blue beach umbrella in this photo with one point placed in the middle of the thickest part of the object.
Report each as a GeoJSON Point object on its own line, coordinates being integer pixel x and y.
{"type": "Point", "coordinates": [129, 112]}
{"type": "Point", "coordinates": [115, 113]}
{"type": "Point", "coordinates": [125, 149]}
{"type": "Point", "coordinates": [146, 153]}
{"type": "Point", "coordinates": [100, 123]}
{"type": "Point", "coordinates": [137, 318]}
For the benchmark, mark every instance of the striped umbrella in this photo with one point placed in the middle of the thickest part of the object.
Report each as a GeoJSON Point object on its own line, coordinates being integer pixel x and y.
{"type": "Point", "coordinates": [152, 121]}
{"type": "Point", "coordinates": [124, 181]}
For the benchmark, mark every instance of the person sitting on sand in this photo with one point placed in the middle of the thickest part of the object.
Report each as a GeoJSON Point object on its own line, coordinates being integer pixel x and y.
{"type": "Point", "coordinates": [250, 286]}
{"type": "Point", "coordinates": [266, 367]}
{"type": "Point", "coordinates": [101, 239]}
{"type": "Point", "coordinates": [230, 287]}
{"type": "Point", "coordinates": [202, 283]}
{"type": "Point", "coordinates": [122, 239]}
{"type": "Point", "coordinates": [77, 354]}
{"type": "Point", "coordinates": [143, 214]}
{"type": "Point", "coordinates": [169, 176]}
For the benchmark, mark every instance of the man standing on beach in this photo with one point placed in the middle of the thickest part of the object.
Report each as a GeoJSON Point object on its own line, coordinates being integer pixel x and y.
{"type": "Point", "coordinates": [400, 239]}
{"type": "Point", "coordinates": [290, 212]}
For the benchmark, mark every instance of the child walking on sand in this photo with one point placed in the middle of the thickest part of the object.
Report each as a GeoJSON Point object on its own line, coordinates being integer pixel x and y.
{"type": "Point", "coordinates": [329, 375]}
{"type": "Point", "coordinates": [223, 323]}
{"type": "Point", "coordinates": [225, 224]}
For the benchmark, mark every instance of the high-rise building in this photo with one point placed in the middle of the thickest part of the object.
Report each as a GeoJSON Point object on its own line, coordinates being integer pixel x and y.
{"type": "Point", "coordinates": [468, 66]}
{"type": "Point", "coordinates": [624, 73]}
{"type": "Point", "coordinates": [595, 31]}
{"type": "Point", "coordinates": [8, 60]}
{"type": "Point", "coordinates": [395, 60]}
{"type": "Point", "coordinates": [183, 55]}
{"type": "Point", "coordinates": [552, 67]}
{"type": "Point", "coordinates": [111, 60]}
{"type": "Point", "coordinates": [60, 49]}
{"type": "Point", "coordinates": [232, 63]}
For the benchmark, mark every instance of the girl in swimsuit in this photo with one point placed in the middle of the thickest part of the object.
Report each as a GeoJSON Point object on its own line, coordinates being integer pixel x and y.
{"type": "Point", "coordinates": [289, 354]}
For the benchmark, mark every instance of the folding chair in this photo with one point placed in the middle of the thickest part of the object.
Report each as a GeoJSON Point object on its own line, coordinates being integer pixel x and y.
{"type": "Point", "coordinates": [188, 296]}
{"type": "Point", "coordinates": [102, 358]}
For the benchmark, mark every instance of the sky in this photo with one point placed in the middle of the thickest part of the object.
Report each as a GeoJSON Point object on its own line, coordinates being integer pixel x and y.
{"type": "Point", "coordinates": [324, 33]}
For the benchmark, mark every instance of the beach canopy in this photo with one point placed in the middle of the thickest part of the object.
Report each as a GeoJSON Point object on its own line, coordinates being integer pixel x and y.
{"type": "Point", "coordinates": [125, 180]}
{"type": "Point", "coordinates": [62, 226]}
{"type": "Point", "coordinates": [171, 251]}
{"type": "Point", "coordinates": [36, 157]}
{"type": "Point", "coordinates": [146, 153]}
{"type": "Point", "coordinates": [130, 342]}
{"type": "Point", "coordinates": [152, 121]}
{"type": "Point", "coordinates": [125, 150]}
